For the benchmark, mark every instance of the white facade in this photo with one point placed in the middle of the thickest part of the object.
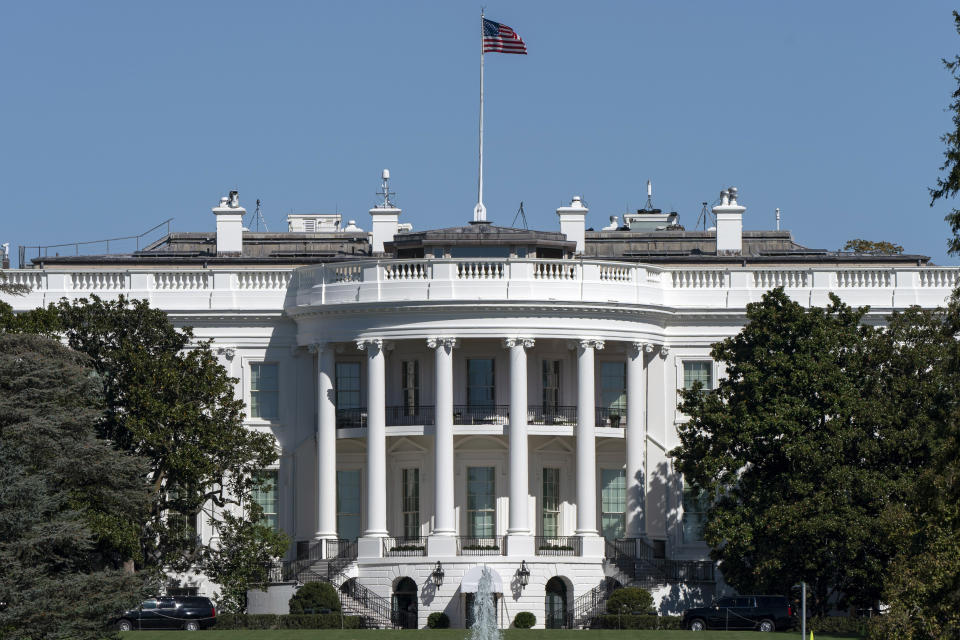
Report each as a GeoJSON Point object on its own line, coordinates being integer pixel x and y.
{"type": "Point", "coordinates": [541, 405]}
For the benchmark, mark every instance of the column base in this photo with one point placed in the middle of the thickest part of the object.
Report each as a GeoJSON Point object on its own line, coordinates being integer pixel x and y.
{"type": "Point", "coordinates": [370, 547]}
{"type": "Point", "coordinates": [441, 546]}
{"type": "Point", "coordinates": [521, 544]}
{"type": "Point", "coordinates": [591, 545]}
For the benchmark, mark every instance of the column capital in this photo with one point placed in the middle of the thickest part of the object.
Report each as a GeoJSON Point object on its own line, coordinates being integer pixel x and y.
{"type": "Point", "coordinates": [586, 343]}
{"type": "Point", "coordinates": [637, 347]}
{"type": "Point", "coordinates": [664, 351]}
{"type": "Point", "coordinates": [316, 347]}
{"type": "Point", "coordinates": [445, 342]}
{"type": "Point", "coordinates": [227, 352]}
{"type": "Point", "coordinates": [526, 343]}
{"type": "Point", "coordinates": [370, 345]}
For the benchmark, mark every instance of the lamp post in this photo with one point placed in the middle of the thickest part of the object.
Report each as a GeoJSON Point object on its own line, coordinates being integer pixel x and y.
{"type": "Point", "coordinates": [437, 574]}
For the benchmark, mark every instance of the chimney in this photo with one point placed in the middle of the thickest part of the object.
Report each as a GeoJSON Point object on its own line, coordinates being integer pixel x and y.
{"type": "Point", "coordinates": [5, 257]}
{"type": "Point", "coordinates": [229, 224]}
{"type": "Point", "coordinates": [385, 217]}
{"type": "Point", "coordinates": [729, 217]}
{"type": "Point", "coordinates": [573, 221]}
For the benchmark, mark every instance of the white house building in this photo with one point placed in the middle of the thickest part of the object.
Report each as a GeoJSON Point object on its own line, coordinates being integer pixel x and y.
{"type": "Point", "coordinates": [478, 395]}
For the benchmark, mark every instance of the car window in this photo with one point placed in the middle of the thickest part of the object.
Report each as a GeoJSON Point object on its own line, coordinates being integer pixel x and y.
{"type": "Point", "coordinates": [148, 604]}
{"type": "Point", "coordinates": [167, 603]}
{"type": "Point", "coordinates": [725, 602]}
{"type": "Point", "coordinates": [743, 602]}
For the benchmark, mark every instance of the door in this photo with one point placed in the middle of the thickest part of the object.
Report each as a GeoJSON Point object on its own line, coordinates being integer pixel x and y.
{"type": "Point", "coordinates": [167, 614]}
{"type": "Point", "coordinates": [743, 613]}
{"type": "Point", "coordinates": [720, 617]}
{"type": "Point", "coordinates": [148, 615]}
{"type": "Point", "coordinates": [555, 604]}
{"type": "Point", "coordinates": [404, 605]}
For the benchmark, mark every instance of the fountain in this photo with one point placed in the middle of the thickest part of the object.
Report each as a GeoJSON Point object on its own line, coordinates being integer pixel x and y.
{"type": "Point", "coordinates": [484, 611]}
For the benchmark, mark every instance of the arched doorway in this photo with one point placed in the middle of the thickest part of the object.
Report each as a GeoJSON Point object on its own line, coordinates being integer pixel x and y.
{"type": "Point", "coordinates": [404, 604]}
{"type": "Point", "coordinates": [555, 604]}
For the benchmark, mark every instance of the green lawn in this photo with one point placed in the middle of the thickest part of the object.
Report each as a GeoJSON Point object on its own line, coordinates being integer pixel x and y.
{"type": "Point", "coordinates": [460, 634]}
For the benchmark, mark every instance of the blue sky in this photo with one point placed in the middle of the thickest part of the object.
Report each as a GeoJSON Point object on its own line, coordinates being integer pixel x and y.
{"type": "Point", "coordinates": [117, 115]}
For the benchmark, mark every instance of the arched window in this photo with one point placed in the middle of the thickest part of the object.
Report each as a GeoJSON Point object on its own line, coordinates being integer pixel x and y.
{"type": "Point", "coordinates": [404, 604]}
{"type": "Point", "coordinates": [555, 604]}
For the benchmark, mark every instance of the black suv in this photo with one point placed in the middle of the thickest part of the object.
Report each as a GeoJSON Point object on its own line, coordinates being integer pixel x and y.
{"type": "Point", "coordinates": [763, 613]}
{"type": "Point", "coordinates": [170, 612]}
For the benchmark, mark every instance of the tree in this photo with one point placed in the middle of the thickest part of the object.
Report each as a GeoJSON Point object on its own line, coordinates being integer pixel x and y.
{"type": "Point", "coordinates": [948, 184]}
{"type": "Point", "coordinates": [65, 495]}
{"type": "Point", "coordinates": [869, 247]}
{"type": "Point", "coordinates": [630, 600]}
{"type": "Point", "coordinates": [798, 454]}
{"type": "Point", "coordinates": [314, 596]}
{"type": "Point", "coordinates": [169, 400]}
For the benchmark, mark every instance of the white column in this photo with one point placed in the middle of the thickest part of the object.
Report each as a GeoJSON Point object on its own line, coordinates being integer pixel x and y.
{"type": "Point", "coordinates": [519, 474]}
{"type": "Point", "coordinates": [635, 437]}
{"type": "Point", "coordinates": [376, 439]}
{"type": "Point", "coordinates": [326, 444]}
{"type": "Point", "coordinates": [444, 517]}
{"type": "Point", "coordinates": [586, 442]}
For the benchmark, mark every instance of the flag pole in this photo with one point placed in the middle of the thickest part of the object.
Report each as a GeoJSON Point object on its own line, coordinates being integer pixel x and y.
{"type": "Point", "coordinates": [480, 212]}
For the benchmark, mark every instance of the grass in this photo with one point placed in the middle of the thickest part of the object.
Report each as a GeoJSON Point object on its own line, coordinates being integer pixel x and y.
{"type": "Point", "coordinates": [460, 634]}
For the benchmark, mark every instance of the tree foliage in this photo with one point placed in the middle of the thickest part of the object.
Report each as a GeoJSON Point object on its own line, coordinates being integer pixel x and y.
{"type": "Point", "coordinates": [810, 446]}
{"type": "Point", "coordinates": [630, 600]}
{"type": "Point", "coordinates": [168, 400]}
{"type": "Point", "coordinates": [66, 497]}
{"type": "Point", "coordinates": [948, 183]}
{"type": "Point", "coordinates": [873, 248]}
{"type": "Point", "coordinates": [314, 596]}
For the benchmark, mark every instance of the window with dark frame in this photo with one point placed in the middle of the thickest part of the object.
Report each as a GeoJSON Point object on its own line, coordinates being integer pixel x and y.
{"type": "Point", "coordinates": [411, 503]}
{"type": "Point", "coordinates": [481, 502]}
{"type": "Point", "coordinates": [411, 387]}
{"type": "Point", "coordinates": [348, 385]}
{"type": "Point", "coordinates": [551, 385]}
{"type": "Point", "coordinates": [481, 389]}
{"type": "Point", "coordinates": [264, 391]}
{"type": "Point", "coordinates": [550, 509]}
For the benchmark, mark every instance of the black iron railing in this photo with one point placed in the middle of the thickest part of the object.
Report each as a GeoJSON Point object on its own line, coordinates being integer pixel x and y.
{"type": "Point", "coordinates": [404, 547]}
{"type": "Point", "coordinates": [591, 604]}
{"type": "Point", "coordinates": [558, 545]}
{"type": "Point", "coordinates": [622, 552]}
{"type": "Point", "coordinates": [351, 418]}
{"type": "Point", "coordinates": [561, 415]}
{"type": "Point", "coordinates": [483, 414]}
{"type": "Point", "coordinates": [616, 418]}
{"type": "Point", "coordinates": [405, 416]}
{"type": "Point", "coordinates": [472, 546]}
{"type": "Point", "coordinates": [340, 553]}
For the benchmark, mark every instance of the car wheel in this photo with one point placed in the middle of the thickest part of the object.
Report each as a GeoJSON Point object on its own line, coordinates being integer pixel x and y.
{"type": "Point", "coordinates": [767, 625]}
{"type": "Point", "coordinates": [124, 625]}
{"type": "Point", "coordinates": [192, 626]}
{"type": "Point", "coordinates": [698, 625]}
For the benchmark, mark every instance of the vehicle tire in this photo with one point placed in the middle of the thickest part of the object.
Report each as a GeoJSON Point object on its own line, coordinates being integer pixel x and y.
{"type": "Point", "coordinates": [766, 625]}
{"type": "Point", "coordinates": [698, 625]}
{"type": "Point", "coordinates": [192, 626]}
{"type": "Point", "coordinates": [124, 625]}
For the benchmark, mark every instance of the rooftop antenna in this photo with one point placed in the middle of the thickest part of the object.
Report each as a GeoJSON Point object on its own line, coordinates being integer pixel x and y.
{"type": "Point", "coordinates": [649, 204]}
{"type": "Point", "coordinates": [257, 218]}
{"type": "Point", "coordinates": [704, 217]}
{"type": "Point", "coordinates": [521, 215]}
{"type": "Point", "coordinates": [385, 190]}
{"type": "Point", "coordinates": [778, 218]}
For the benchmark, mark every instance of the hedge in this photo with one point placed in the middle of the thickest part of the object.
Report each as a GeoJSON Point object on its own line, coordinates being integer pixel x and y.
{"type": "Point", "coordinates": [524, 620]}
{"type": "Point", "coordinates": [292, 621]}
{"type": "Point", "coordinates": [438, 620]}
{"type": "Point", "coordinates": [613, 621]}
{"type": "Point", "coordinates": [839, 624]}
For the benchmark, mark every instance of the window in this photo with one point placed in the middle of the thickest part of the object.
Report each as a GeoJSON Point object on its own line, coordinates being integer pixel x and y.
{"type": "Point", "coordinates": [613, 386]}
{"type": "Point", "coordinates": [266, 494]}
{"type": "Point", "coordinates": [411, 503]}
{"type": "Point", "coordinates": [551, 385]}
{"type": "Point", "coordinates": [480, 386]}
{"type": "Point", "coordinates": [613, 503]}
{"type": "Point", "coordinates": [348, 385]}
{"type": "Point", "coordinates": [180, 517]}
{"type": "Point", "coordinates": [411, 387]}
{"type": "Point", "coordinates": [348, 504]}
{"type": "Point", "coordinates": [481, 502]}
{"type": "Point", "coordinates": [551, 502]}
{"type": "Point", "coordinates": [698, 371]}
{"type": "Point", "coordinates": [263, 391]}
{"type": "Point", "coordinates": [695, 505]}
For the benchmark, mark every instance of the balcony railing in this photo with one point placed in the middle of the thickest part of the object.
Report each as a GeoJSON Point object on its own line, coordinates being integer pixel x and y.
{"type": "Point", "coordinates": [352, 418]}
{"type": "Point", "coordinates": [558, 545]}
{"type": "Point", "coordinates": [615, 418]}
{"type": "Point", "coordinates": [471, 546]}
{"type": "Point", "coordinates": [404, 547]}
{"type": "Point", "coordinates": [559, 415]}
{"type": "Point", "coordinates": [483, 414]}
{"type": "Point", "coordinates": [407, 416]}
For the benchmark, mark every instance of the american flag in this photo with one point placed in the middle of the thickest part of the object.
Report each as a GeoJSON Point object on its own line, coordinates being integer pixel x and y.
{"type": "Point", "coordinates": [500, 38]}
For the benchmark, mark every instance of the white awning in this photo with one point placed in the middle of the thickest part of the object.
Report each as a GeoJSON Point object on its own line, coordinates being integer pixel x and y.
{"type": "Point", "coordinates": [472, 578]}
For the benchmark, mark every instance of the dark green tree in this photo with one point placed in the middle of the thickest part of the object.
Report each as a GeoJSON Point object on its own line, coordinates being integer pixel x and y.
{"type": "Point", "coordinates": [871, 247]}
{"type": "Point", "coordinates": [948, 184]}
{"type": "Point", "coordinates": [797, 453]}
{"type": "Point", "coordinates": [313, 596]}
{"type": "Point", "coordinates": [65, 500]}
{"type": "Point", "coordinates": [168, 400]}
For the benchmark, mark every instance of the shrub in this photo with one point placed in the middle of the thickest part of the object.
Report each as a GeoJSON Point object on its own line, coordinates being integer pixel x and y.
{"type": "Point", "coordinates": [524, 620]}
{"type": "Point", "coordinates": [630, 600]}
{"type": "Point", "coordinates": [314, 597]}
{"type": "Point", "coordinates": [268, 621]}
{"type": "Point", "coordinates": [839, 624]}
{"type": "Point", "coordinates": [438, 620]}
{"type": "Point", "coordinates": [611, 621]}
